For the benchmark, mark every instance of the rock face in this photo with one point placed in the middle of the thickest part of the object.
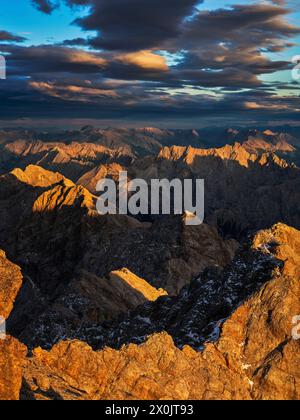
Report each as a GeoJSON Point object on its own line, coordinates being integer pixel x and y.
{"type": "Point", "coordinates": [90, 179]}
{"type": "Point", "coordinates": [252, 355]}
{"type": "Point", "coordinates": [12, 353]}
{"type": "Point", "coordinates": [73, 159]}
{"type": "Point", "coordinates": [12, 357]}
{"type": "Point", "coordinates": [168, 258]}
{"type": "Point", "coordinates": [87, 300]}
{"type": "Point", "coordinates": [255, 356]}
{"type": "Point", "coordinates": [154, 370]}
{"type": "Point", "coordinates": [57, 148]}
{"type": "Point", "coordinates": [10, 283]}
{"type": "Point", "coordinates": [196, 313]}
{"type": "Point", "coordinates": [48, 213]}
{"type": "Point", "coordinates": [284, 243]}
{"type": "Point", "coordinates": [244, 192]}
{"type": "Point", "coordinates": [124, 276]}
{"type": "Point", "coordinates": [55, 234]}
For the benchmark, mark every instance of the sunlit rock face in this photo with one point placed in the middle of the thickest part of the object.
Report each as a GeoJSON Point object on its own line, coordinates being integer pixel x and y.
{"type": "Point", "coordinates": [10, 283]}
{"type": "Point", "coordinates": [252, 354]}
{"type": "Point", "coordinates": [12, 358]}
{"type": "Point", "coordinates": [12, 352]}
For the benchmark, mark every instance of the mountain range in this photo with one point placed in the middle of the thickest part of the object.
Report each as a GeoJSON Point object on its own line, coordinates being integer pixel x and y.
{"type": "Point", "coordinates": [124, 307]}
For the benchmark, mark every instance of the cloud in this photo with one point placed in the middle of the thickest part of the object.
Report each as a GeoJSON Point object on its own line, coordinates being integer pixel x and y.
{"type": "Point", "coordinates": [145, 60]}
{"type": "Point", "coordinates": [130, 25]}
{"type": "Point", "coordinates": [7, 36]}
{"type": "Point", "coordinates": [157, 59]}
{"type": "Point", "coordinates": [239, 39]}
{"type": "Point", "coordinates": [72, 92]}
{"type": "Point", "coordinates": [230, 55]}
{"type": "Point", "coordinates": [52, 60]}
{"type": "Point", "coordinates": [45, 6]}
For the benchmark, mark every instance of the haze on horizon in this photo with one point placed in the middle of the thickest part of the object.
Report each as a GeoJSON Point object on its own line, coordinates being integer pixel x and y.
{"type": "Point", "coordinates": [136, 63]}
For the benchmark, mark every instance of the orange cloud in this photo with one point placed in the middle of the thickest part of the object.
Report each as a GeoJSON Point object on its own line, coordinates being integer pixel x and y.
{"type": "Point", "coordinates": [266, 106]}
{"type": "Point", "coordinates": [82, 57]}
{"type": "Point", "coordinates": [144, 59]}
{"type": "Point", "coordinates": [72, 92]}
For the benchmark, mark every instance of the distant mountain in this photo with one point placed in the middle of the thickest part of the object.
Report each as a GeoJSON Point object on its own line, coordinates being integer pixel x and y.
{"type": "Point", "coordinates": [258, 141]}
{"type": "Point", "coordinates": [247, 187]}
{"type": "Point", "coordinates": [141, 142]}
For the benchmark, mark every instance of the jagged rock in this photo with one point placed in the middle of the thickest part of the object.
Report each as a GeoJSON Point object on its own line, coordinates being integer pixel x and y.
{"type": "Point", "coordinates": [90, 179]}
{"type": "Point", "coordinates": [18, 192]}
{"type": "Point", "coordinates": [86, 301]}
{"type": "Point", "coordinates": [255, 358]}
{"type": "Point", "coordinates": [226, 334]}
{"type": "Point", "coordinates": [155, 370]}
{"type": "Point", "coordinates": [252, 356]}
{"type": "Point", "coordinates": [73, 160]}
{"type": "Point", "coordinates": [65, 195]}
{"type": "Point", "coordinates": [263, 184]}
{"type": "Point", "coordinates": [284, 243]}
{"type": "Point", "coordinates": [12, 358]}
{"type": "Point", "coordinates": [10, 283]}
{"type": "Point", "coordinates": [195, 315]}
{"type": "Point", "coordinates": [37, 176]}
{"type": "Point", "coordinates": [12, 352]}
{"type": "Point", "coordinates": [59, 234]}
{"type": "Point", "coordinates": [167, 257]}
{"type": "Point", "coordinates": [48, 215]}
{"type": "Point", "coordinates": [244, 192]}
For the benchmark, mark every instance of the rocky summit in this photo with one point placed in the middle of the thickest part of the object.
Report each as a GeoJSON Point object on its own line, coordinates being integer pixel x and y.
{"type": "Point", "coordinates": [102, 307]}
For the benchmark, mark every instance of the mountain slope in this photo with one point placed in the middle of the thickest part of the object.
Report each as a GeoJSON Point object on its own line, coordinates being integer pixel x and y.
{"type": "Point", "coordinates": [254, 357]}
{"type": "Point", "coordinates": [10, 283]}
{"type": "Point", "coordinates": [12, 352]}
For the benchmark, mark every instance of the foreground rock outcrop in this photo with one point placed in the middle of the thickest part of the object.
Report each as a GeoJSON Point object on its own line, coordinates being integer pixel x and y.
{"type": "Point", "coordinates": [252, 355]}
{"type": "Point", "coordinates": [12, 358]}
{"type": "Point", "coordinates": [12, 352]}
{"type": "Point", "coordinates": [10, 283]}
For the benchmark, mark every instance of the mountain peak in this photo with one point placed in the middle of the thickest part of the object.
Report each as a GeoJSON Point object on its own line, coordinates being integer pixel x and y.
{"type": "Point", "coordinates": [66, 194]}
{"type": "Point", "coordinates": [37, 176]}
{"type": "Point", "coordinates": [269, 133]}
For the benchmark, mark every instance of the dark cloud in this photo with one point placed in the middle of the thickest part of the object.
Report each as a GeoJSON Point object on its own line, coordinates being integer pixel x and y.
{"type": "Point", "coordinates": [132, 24]}
{"type": "Point", "coordinates": [77, 98]}
{"type": "Point", "coordinates": [136, 24]}
{"type": "Point", "coordinates": [122, 72]}
{"type": "Point", "coordinates": [240, 37]}
{"type": "Point", "coordinates": [7, 36]}
{"type": "Point", "coordinates": [230, 55]}
{"type": "Point", "coordinates": [45, 6]}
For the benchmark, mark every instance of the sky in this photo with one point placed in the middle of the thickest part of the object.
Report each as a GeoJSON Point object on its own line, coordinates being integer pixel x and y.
{"type": "Point", "coordinates": [170, 63]}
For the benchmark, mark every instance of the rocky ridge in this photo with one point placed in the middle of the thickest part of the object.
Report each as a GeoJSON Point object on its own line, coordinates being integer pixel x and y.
{"type": "Point", "coordinates": [253, 357]}
{"type": "Point", "coordinates": [60, 241]}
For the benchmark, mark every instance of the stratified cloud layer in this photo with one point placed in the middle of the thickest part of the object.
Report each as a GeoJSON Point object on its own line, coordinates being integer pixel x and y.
{"type": "Point", "coordinates": [153, 59]}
